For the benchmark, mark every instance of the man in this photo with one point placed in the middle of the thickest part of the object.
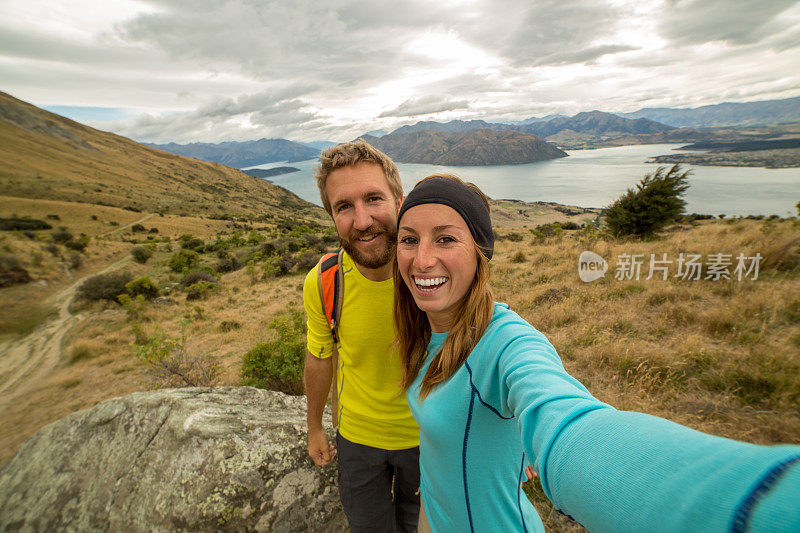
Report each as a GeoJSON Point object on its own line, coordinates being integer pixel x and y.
{"type": "Point", "coordinates": [378, 440]}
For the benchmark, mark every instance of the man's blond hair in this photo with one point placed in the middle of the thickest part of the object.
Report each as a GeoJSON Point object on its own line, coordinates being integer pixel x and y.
{"type": "Point", "coordinates": [352, 153]}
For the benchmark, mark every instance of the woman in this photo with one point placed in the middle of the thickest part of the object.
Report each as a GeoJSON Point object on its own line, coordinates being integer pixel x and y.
{"type": "Point", "coordinates": [490, 395]}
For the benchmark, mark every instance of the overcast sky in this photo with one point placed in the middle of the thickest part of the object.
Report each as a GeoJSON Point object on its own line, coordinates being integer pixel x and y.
{"type": "Point", "coordinates": [214, 70]}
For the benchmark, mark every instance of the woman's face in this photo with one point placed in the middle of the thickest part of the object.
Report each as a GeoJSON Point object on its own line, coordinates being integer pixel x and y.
{"type": "Point", "coordinates": [437, 259]}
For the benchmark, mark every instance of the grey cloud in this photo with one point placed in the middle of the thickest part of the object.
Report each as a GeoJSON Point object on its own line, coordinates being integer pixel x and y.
{"type": "Point", "coordinates": [45, 47]}
{"type": "Point", "coordinates": [554, 32]}
{"type": "Point", "coordinates": [338, 43]}
{"type": "Point", "coordinates": [737, 22]}
{"type": "Point", "coordinates": [424, 106]}
{"type": "Point", "coordinates": [269, 113]}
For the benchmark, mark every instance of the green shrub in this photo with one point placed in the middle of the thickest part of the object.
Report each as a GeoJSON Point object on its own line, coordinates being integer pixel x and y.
{"type": "Point", "coordinates": [199, 290]}
{"type": "Point", "coordinates": [183, 260]}
{"type": "Point", "coordinates": [74, 260]}
{"type": "Point", "coordinates": [104, 286]}
{"type": "Point", "coordinates": [78, 244]}
{"type": "Point", "coordinates": [141, 254]}
{"type": "Point", "coordinates": [61, 236]}
{"type": "Point", "coordinates": [196, 275]}
{"type": "Point", "coordinates": [307, 261]}
{"type": "Point", "coordinates": [170, 364]}
{"type": "Point", "coordinates": [228, 263]}
{"type": "Point", "coordinates": [12, 272]}
{"type": "Point", "coordinates": [143, 286]}
{"type": "Point", "coordinates": [193, 244]}
{"type": "Point", "coordinates": [138, 228]}
{"type": "Point", "coordinates": [655, 203]}
{"type": "Point", "coordinates": [20, 224]}
{"type": "Point", "coordinates": [278, 364]}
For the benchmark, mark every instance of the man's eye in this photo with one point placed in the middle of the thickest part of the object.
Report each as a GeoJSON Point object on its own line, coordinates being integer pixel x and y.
{"type": "Point", "coordinates": [375, 199]}
{"type": "Point", "coordinates": [342, 207]}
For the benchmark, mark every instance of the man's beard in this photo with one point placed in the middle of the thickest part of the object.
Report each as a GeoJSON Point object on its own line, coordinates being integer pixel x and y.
{"type": "Point", "coordinates": [375, 260]}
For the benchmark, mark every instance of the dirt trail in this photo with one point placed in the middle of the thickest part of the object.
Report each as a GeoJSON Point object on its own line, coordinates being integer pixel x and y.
{"type": "Point", "coordinates": [26, 361]}
{"type": "Point", "coordinates": [120, 228]}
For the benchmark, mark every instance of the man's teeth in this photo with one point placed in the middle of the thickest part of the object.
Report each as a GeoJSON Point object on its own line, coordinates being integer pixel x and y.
{"type": "Point", "coordinates": [429, 283]}
{"type": "Point", "coordinates": [368, 237]}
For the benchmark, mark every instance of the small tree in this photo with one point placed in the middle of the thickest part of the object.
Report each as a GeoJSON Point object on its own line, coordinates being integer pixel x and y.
{"type": "Point", "coordinates": [171, 364]}
{"type": "Point", "coordinates": [278, 365]}
{"type": "Point", "coordinates": [656, 202]}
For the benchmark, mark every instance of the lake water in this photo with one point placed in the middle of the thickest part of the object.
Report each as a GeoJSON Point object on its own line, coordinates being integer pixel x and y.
{"type": "Point", "coordinates": [595, 178]}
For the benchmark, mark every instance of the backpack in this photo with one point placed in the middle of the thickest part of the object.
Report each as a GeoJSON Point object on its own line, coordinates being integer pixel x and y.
{"type": "Point", "coordinates": [330, 280]}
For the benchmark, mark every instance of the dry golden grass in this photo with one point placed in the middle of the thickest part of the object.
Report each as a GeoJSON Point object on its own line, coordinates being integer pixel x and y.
{"type": "Point", "coordinates": [720, 356]}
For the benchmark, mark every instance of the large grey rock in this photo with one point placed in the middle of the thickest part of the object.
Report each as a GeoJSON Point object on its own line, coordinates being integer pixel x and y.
{"type": "Point", "coordinates": [199, 459]}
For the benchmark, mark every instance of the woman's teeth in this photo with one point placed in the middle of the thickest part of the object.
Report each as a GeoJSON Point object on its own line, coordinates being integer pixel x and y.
{"type": "Point", "coordinates": [429, 284]}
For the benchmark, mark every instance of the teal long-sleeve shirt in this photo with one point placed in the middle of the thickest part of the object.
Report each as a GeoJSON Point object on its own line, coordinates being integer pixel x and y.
{"type": "Point", "coordinates": [512, 403]}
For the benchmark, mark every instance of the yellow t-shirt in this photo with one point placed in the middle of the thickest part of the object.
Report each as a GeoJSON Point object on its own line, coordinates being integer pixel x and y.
{"type": "Point", "coordinates": [372, 408]}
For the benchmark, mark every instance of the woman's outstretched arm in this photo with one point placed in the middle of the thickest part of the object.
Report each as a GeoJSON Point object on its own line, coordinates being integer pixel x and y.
{"type": "Point", "coordinates": [624, 471]}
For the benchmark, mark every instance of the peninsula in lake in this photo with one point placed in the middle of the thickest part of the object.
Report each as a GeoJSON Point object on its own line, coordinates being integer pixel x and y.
{"type": "Point", "coordinates": [467, 148]}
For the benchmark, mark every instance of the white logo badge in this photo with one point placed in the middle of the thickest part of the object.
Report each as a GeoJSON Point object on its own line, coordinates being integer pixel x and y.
{"type": "Point", "coordinates": [591, 266]}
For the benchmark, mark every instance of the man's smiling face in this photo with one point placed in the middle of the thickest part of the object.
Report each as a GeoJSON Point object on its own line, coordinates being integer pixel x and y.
{"type": "Point", "coordinates": [364, 212]}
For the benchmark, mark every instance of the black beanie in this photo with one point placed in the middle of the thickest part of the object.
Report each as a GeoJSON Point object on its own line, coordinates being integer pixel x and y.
{"type": "Point", "coordinates": [464, 200]}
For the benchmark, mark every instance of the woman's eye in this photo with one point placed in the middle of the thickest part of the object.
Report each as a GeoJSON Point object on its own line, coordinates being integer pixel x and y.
{"type": "Point", "coordinates": [408, 240]}
{"type": "Point", "coordinates": [446, 239]}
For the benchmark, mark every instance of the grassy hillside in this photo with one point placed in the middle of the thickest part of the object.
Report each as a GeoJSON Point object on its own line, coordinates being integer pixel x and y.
{"type": "Point", "coordinates": [48, 156]}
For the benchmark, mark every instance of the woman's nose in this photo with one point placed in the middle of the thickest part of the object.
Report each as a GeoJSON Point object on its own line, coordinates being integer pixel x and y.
{"type": "Point", "coordinates": [425, 257]}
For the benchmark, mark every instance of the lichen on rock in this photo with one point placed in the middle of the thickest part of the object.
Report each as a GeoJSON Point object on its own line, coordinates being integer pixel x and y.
{"type": "Point", "coordinates": [197, 459]}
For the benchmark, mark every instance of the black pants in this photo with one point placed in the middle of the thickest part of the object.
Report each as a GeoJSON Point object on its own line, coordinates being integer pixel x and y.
{"type": "Point", "coordinates": [379, 488]}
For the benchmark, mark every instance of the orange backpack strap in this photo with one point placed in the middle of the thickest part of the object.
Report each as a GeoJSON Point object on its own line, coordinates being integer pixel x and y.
{"type": "Point", "coordinates": [331, 292]}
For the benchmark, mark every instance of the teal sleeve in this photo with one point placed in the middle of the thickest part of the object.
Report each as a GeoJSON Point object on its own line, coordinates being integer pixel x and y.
{"type": "Point", "coordinates": [619, 471]}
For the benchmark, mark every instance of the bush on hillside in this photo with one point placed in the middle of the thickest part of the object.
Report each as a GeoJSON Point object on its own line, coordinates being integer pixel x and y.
{"type": "Point", "coordinates": [141, 254]}
{"type": "Point", "coordinates": [278, 365]}
{"type": "Point", "coordinates": [61, 236]}
{"type": "Point", "coordinates": [193, 244]}
{"type": "Point", "coordinates": [78, 244]}
{"type": "Point", "coordinates": [199, 290]}
{"type": "Point", "coordinates": [183, 260]}
{"type": "Point", "coordinates": [12, 272]}
{"type": "Point", "coordinates": [656, 202]}
{"type": "Point", "coordinates": [21, 224]}
{"type": "Point", "coordinates": [104, 286]}
{"type": "Point", "coordinates": [195, 276]}
{"type": "Point", "coordinates": [143, 286]}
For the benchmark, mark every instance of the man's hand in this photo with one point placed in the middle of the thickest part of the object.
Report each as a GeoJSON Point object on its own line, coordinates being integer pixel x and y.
{"type": "Point", "coordinates": [317, 377]}
{"type": "Point", "coordinates": [319, 449]}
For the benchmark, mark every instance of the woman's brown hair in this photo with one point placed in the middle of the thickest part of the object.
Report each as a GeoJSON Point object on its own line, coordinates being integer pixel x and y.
{"type": "Point", "coordinates": [414, 330]}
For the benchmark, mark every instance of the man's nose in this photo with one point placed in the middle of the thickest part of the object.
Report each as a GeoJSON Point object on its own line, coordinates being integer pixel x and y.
{"type": "Point", "coordinates": [363, 219]}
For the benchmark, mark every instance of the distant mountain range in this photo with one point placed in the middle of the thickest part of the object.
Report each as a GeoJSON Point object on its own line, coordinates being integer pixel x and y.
{"type": "Point", "coordinates": [590, 128]}
{"type": "Point", "coordinates": [472, 147]}
{"type": "Point", "coordinates": [585, 130]}
{"type": "Point", "coordinates": [243, 154]}
{"type": "Point", "coordinates": [726, 114]}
